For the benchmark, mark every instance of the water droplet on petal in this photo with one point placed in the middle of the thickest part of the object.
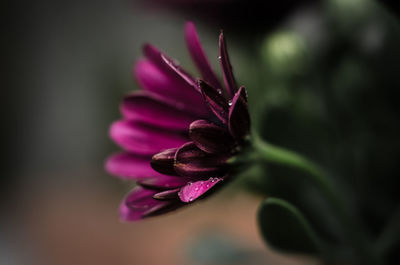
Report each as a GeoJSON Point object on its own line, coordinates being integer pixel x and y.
{"type": "Point", "coordinates": [190, 199]}
{"type": "Point", "coordinates": [219, 57]}
{"type": "Point", "coordinates": [230, 102]}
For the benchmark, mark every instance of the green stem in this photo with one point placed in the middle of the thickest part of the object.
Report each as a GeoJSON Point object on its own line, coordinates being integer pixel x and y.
{"type": "Point", "coordinates": [352, 230]}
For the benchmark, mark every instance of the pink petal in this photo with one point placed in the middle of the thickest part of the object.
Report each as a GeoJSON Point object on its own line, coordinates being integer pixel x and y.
{"type": "Point", "coordinates": [198, 55]}
{"type": "Point", "coordinates": [154, 55]}
{"type": "Point", "coordinates": [136, 203]}
{"type": "Point", "coordinates": [194, 190]}
{"type": "Point", "coordinates": [179, 71]}
{"type": "Point", "coordinates": [130, 166]}
{"type": "Point", "coordinates": [141, 139]}
{"type": "Point", "coordinates": [163, 207]}
{"type": "Point", "coordinates": [140, 198]}
{"type": "Point", "coordinates": [163, 83]}
{"type": "Point", "coordinates": [148, 108]}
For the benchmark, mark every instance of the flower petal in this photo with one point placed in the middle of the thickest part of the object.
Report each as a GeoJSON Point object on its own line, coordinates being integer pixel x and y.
{"type": "Point", "coordinates": [210, 137]}
{"type": "Point", "coordinates": [140, 198]}
{"type": "Point", "coordinates": [229, 79]}
{"type": "Point", "coordinates": [163, 207]}
{"type": "Point", "coordinates": [163, 83]}
{"type": "Point", "coordinates": [141, 139]}
{"type": "Point", "coordinates": [154, 55]}
{"type": "Point", "coordinates": [167, 194]}
{"type": "Point", "coordinates": [239, 119]}
{"type": "Point", "coordinates": [192, 162]}
{"type": "Point", "coordinates": [182, 73]}
{"type": "Point", "coordinates": [163, 182]}
{"type": "Point", "coordinates": [127, 214]}
{"type": "Point", "coordinates": [163, 162]}
{"type": "Point", "coordinates": [136, 203]}
{"type": "Point", "coordinates": [130, 166]}
{"type": "Point", "coordinates": [215, 100]}
{"type": "Point", "coordinates": [148, 108]}
{"type": "Point", "coordinates": [167, 64]}
{"type": "Point", "coordinates": [194, 190]}
{"type": "Point", "coordinates": [198, 55]}
{"type": "Point", "coordinates": [140, 204]}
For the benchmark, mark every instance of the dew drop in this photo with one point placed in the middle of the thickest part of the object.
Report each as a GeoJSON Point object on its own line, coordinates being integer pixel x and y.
{"type": "Point", "coordinates": [190, 199]}
{"type": "Point", "coordinates": [189, 183]}
{"type": "Point", "coordinates": [219, 57]}
{"type": "Point", "coordinates": [230, 102]}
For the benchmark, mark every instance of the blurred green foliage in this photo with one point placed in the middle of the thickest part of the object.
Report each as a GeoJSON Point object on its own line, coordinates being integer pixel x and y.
{"type": "Point", "coordinates": [330, 91]}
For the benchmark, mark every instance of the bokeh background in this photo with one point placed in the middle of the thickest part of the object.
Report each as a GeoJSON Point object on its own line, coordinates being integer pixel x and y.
{"type": "Point", "coordinates": [322, 79]}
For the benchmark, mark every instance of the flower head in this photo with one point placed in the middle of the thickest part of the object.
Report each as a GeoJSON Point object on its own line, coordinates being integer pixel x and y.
{"type": "Point", "coordinates": [178, 132]}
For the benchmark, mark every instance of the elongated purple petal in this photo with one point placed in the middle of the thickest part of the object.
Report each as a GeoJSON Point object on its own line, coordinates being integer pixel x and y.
{"type": "Point", "coordinates": [239, 119]}
{"type": "Point", "coordinates": [167, 195]}
{"type": "Point", "coordinates": [192, 162]}
{"type": "Point", "coordinates": [215, 100]}
{"type": "Point", "coordinates": [136, 203]}
{"type": "Point", "coordinates": [140, 198]}
{"type": "Point", "coordinates": [163, 162]}
{"type": "Point", "coordinates": [163, 83]}
{"type": "Point", "coordinates": [163, 207]}
{"type": "Point", "coordinates": [128, 215]}
{"type": "Point", "coordinates": [229, 78]}
{"type": "Point", "coordinates": [141, 139]}
{"type": "Point", "coordinates": [140, 204]}
{"type": "Point", "coordinates": [179, 71]}
{"type": "Point", "coordinates": [210, 137]}
{"type": "Point", "coordinates": [194, 190]}
{"type": "Point", "coordinates": [130, 166]}
{"type": "Point", "coordinates": [167, 64]}
{"type": "Point", "coordinates": [154, 55]}
{"type": "Point", "coordinates": [148, 108]}
{"type": "Point", "coordinates": [163, 182]}
{"type": "Point", "coordinates": [199, 56]}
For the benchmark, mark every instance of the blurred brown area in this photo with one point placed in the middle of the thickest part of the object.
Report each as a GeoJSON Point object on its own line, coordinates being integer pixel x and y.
{"type": "Point", "coordinates": [80, 226]}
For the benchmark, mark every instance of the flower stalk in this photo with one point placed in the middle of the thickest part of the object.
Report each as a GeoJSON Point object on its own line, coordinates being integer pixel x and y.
{"type": "Point", "coordinates": [266, 152]}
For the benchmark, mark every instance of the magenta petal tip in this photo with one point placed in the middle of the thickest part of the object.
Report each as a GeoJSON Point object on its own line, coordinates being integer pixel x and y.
{"type": "Point", "coordinates": [194, 190]}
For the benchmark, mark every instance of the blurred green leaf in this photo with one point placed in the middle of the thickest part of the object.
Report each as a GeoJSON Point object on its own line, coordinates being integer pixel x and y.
{"type": "Point", "coordinates": [285, 228]}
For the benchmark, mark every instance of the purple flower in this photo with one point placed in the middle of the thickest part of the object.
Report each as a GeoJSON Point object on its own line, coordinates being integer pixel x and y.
{"type": "Point", "coordinates": [178, 132]}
